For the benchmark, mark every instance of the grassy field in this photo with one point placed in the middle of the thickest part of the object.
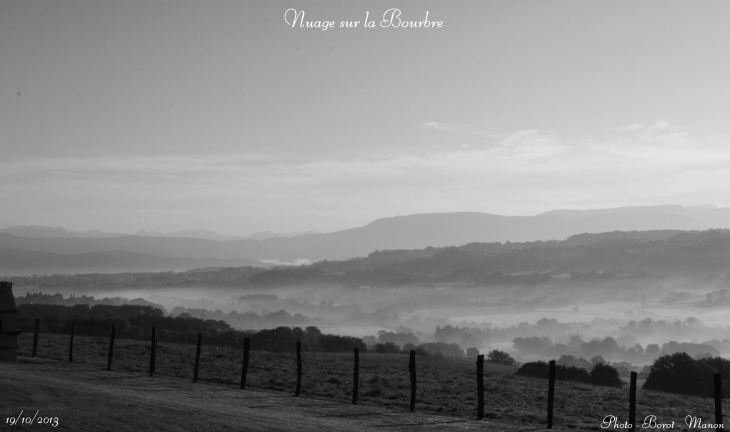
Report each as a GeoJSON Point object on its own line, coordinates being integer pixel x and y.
{"type": "Point", "coordinates": [445, 386]}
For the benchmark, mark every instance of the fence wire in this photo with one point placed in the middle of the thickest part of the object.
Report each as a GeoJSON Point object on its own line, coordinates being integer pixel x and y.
{"type": "Point", "coordinates": [445, 385]}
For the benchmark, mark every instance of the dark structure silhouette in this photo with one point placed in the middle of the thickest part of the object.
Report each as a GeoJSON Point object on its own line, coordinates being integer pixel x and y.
{"type": "Point", "coordinates": [9, 330]}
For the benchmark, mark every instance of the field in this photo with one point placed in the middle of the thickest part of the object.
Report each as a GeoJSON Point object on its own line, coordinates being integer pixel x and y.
{"type": "Point", "coordinates": [445, 386]}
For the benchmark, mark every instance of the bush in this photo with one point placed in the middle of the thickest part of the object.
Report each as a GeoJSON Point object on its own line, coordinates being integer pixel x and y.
{"type": "Point", "coordinates": [538, 369]}
{"type": "Point", "coordinates": [387, 348]}
{"type": "Point", "coordinates": [679, 373]}
{"type": "Point", "coordinates": [569, 360]}
{"type": "Point", "coordinates": [442, 349]}
{"type": "Point", "coordinates": [500, 357]}
{"type": "Point", "coordinates": [399, 339]}
{"type": "Point", "coordinates": [335, 343]}
{"type": "Point", "coordinates": [605, 375]}
{"type": "Point", "coordinates": [280, 339]}
{"type": "Point", "coordinates": [472, 353]}
{"type": "Point", "coordinates": [598, 359]}
{"type": "Point", "coordinates": [419, 351]}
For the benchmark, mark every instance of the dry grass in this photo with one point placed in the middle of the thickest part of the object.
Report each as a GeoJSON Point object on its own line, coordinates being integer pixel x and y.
{"type": "Point", "coordinates": [445, 386]}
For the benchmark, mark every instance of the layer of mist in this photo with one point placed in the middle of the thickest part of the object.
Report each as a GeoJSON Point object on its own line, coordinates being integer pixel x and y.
{"type": "Point", "coordinates": [628, 297]}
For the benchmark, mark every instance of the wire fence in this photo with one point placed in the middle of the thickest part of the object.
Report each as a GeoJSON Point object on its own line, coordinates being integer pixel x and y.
{"type": "Point", "coordinates": [443, 384]}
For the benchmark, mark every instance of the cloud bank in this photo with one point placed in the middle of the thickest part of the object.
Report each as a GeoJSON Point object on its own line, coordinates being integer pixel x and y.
{"type": "Point", "coordinates": [523, 172]}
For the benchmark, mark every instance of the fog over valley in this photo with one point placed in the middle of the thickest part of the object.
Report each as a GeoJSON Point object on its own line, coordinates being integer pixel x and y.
{"type": "Point", "coordinates": [627, 296]}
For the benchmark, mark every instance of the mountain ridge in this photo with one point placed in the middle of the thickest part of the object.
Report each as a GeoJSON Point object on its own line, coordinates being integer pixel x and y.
{"type": "Point", "coordinates": [416, 231]}
{"type": "Point", "coordinates": [21, 261]}
{"type": "Point", "coordinates": [40, 231]}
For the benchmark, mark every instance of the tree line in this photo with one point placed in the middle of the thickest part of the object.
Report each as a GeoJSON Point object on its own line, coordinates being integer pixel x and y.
{"type": "Point", "coordinates": [135, 322]}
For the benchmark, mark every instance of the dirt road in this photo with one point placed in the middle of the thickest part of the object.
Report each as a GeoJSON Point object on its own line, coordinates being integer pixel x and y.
{"type": "Point", "coordinates": [86, 398]}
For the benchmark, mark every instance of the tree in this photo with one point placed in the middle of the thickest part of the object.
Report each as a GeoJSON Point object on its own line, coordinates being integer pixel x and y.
{"type": "Point", "coordinates": [280, 339]}
{"type": "Point", "coordinates": [538, 369]}
{"type": "Point", "coordinates": [598, 360]}
{"type": "Point", "coordinates": [472, 353]}
{"type": "Point", "coordinates": [335, 343]}
{"type": "Point", "coordinates": [312, 336]}
{"type": "Point", "coordinates": [399, 339]}
{"type": "Point", "coordinates": [651, 350]}
{"type": "Point", "coordinates": [680, 373]}
{"type": "Point", "coordinates": [440, 349]}
{"type": "Point", "coordinates": [569, 360]}
{"type": "Point", "coordinates": [500, 357]}
{"type": "Point", "coordinates": [407, 348]}
{"type": "Point", "coordinates": [605, 375]}
{"type": "Point", "coordinates": [388, 347]}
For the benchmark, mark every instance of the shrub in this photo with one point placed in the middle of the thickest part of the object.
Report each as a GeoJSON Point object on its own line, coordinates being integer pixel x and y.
{"type": "Point", "coordinates": [280, 339]}
{"type": "Point", "coordinates": [442, 349]}
{"type": "Point", "coordinates": [335, 343]}
{"type": "Point", "coordinates": [569, 360]}
{"type": "Point", "coordinates": [680, 373]}
{"type": "Point", "coordinates": [538, 369]}
{"type": "Point", "coordinates": [419, 351]}
{"type": "Point", "coordinates": [605, 375]}
{"type": "Point", "coordinates": [388, 348]}
{"type": "Point", "coordinates": [399, 339]}
{"type": "Point", "coordinates": [500, 357]}
{"type": "Point", "coordinates": [598, 359]}
{"type": "Point", "coordinates": [571, 373]}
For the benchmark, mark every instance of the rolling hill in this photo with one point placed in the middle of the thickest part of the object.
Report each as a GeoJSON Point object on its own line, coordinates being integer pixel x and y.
{"type": "Point", "coordinates": [19, 261]}
{"type": "Point", "coordinates": [400, 232]}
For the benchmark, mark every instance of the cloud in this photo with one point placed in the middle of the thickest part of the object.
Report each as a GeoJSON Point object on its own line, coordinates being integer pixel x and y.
{"type": "Point", "coordinates": [526, 172]}
{"type": "Point", "coordinates": [659, 125]}
{"type": "Point", "coordinates": [445, 127]}
{"type": "Point", "coordinates": [629, 128]}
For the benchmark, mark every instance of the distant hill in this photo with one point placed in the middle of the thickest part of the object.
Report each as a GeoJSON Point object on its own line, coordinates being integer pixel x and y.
{"type": "Point", "coordinates": [195, 234]}
{"type": "Point", "coordinates": [401, 232]}
{"type": "Point", "coordinates": [18, 262]}
{"type": "Point", "coordinates": [35, 231]}
{"type": "Point", "coordinates": [620, 258]}
{"type": "Point", "coordinates": [706, 213]}
{"type": "Point", "coordinates": [263, 235]}
{"type": "Point", "coordinates": [212, 235]}
{"type": "Point", "coordinates": [687, 260]}
{"type": "Point", "coordinates": [454, 229]}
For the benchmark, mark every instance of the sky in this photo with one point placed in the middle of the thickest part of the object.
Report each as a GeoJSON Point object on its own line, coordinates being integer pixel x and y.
{"type": "Point", "coordinates": [220, 115]}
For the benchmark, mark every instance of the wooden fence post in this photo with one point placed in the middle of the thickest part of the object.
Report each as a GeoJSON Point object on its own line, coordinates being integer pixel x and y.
{"type": "Point", "coordinates": [356, 376]}
{"type": "Point", "coordinates": [154, 362]}
{"type": "Point", "coordinates": [71, 342]}
{"type": "Point", "coordinates": [153, 345]}
{"type": "Point", "coordinates": [551, 394]}
{"type": "Point", "coordinates": [718, 401]}
{"type": "Point", "coordinates": [197, 357]}
{"type": "Point", "coordinates": [111, 347]}
{"type": "Point", "coordinates": [244, 365]}
{"type": "Point", "coordinates": [412, 369]}
{"type": "Point", "coordinates": [35, 336]}
{"type": "Point", "coordinates": [480, 386]}
{"type": "Point", "coordinates": [299, 369]}
{"type": "Point", "coordinates": [632, 401]}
